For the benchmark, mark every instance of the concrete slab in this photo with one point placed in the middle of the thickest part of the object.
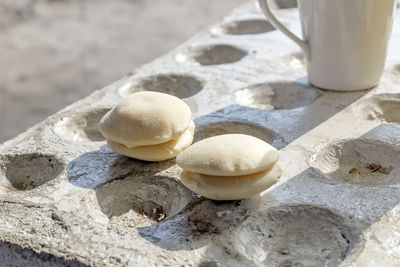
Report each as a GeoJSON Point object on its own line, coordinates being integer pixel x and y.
{"type": "Point", "coordinates": [66, 199]}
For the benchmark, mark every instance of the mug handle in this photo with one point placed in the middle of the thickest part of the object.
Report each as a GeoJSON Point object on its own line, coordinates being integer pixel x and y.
{"type": "Point", "coordinates": [275, 22]}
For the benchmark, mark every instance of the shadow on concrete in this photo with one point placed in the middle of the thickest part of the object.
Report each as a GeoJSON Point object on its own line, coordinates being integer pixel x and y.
{"type": "Point", "coordinates": [95, 168]}
{"type": "Point", "coordinates": [15, 255]}
{"type": "Point", "coordinates": [282, 125]}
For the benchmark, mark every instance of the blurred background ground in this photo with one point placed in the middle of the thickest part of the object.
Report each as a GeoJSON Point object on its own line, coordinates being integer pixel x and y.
{"type": "Point", "coordinates": [54, 52]}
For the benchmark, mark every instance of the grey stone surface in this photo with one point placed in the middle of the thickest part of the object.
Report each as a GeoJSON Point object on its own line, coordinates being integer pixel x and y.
{"type": "Point", "coordinates": [65, 195]}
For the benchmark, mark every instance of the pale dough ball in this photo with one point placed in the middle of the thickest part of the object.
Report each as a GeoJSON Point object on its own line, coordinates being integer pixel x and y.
{"type": "Point", "coordinates": [146, 118]}
{"type": "Point", "coordinates": [157, 152]}
{"type": "Point", "coordinates": [231, 187]}
{"type": "Point", "coordinates": [228, 155]}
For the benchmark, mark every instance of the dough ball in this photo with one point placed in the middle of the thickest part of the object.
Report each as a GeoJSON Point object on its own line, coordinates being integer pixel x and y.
{"type": "Point", "coordinates": [146, 118]}
{"type": "Point", "coordinates": [158, 152]}
{"type": "Point", "coordinates": [231, 187]}
{"type": "Point", "coordinates": [228, 155]}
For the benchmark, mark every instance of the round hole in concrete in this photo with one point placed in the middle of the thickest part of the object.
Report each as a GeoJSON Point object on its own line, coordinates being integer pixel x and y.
{"type": "Point", "coordinates": [142, 200]}
{"type": "Point", "coordinates": [179, 85]}
{"type": "Point", "coordinates": [81, 126]}
{"type": "Point", "coordinates": [217, 54]}
{"type": "Point", "coordinates": [359, 161]}
{"type": "Point", "coordinates": [384, 108]}
{"type": "Point", "coordinates": [28, 171]}
{"type": "Point", "coordinates": [278, 95]}
{"type": "Point", "coordinates": [284, 4]}
{"type": "Point", "coordinates": [291, 236]}
{"type": "Point", "coordinates": [251, 26]}
{"type": "Point", "coordinates": [228, 127]}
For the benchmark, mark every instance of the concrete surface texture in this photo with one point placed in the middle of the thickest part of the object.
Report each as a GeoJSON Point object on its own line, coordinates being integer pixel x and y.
{"type": "Point", "coordinates": [54, 52]}
{"type": "Point", "coordinates": [68, 200]}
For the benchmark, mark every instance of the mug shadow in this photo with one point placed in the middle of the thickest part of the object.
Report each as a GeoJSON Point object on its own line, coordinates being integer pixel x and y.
{"type": "Point", "coordinates": [328, 104]}
{"type": "Point", "coordinates": [284, 124]}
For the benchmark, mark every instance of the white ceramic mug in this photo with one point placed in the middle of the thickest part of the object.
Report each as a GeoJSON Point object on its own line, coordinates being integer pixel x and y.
{"type": "Point", "coordinates": [345, 41]}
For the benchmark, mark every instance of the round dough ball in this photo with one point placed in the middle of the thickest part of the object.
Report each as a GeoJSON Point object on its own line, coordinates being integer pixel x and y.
{"type": "Point", "coordinates": [231, 187]}
{"type": "Point", "coordinates": [158, 152]}
{"type": "Point", "coordinates": [146, 118]}
{"type": "Point", "coordinates": [228, 155]}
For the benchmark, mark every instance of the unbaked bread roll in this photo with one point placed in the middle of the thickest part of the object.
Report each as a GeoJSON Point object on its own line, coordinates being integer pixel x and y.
{"type": "Point", "coordinates": [146, 118]}
{"type": "Point", "coordinates": [148, 126]}
{"type": "Point", "coordinates": [231, 187]}
{"type": "Point", "coordinates": [229, 154]}
{"type": "Point", "coordinates": [229, 167]}
{"type": "Point", "coordinates": [158, 152]}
